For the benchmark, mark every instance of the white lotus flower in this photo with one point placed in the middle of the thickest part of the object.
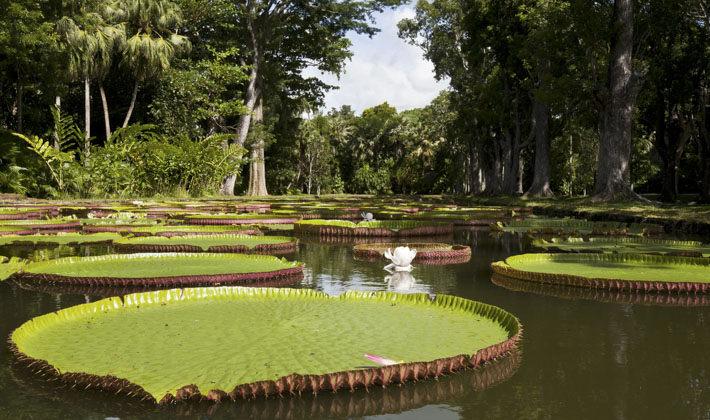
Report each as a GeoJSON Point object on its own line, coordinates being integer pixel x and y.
{"type": "Point", "coordinates": [400, 280]}
{"type": "Point", "coordinates": [367, 217]}
{"type": "Point", "coordinates": [401, 258]}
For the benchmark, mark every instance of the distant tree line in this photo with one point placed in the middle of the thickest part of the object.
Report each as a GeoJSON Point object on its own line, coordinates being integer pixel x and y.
{"type": "Point", "coordinates": [546, 97]}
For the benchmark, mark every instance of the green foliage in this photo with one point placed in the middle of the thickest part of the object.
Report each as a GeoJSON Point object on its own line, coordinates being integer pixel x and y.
{"type": "Point", "coordinates": [196, 98]}
{"type": "Point", "coordinates": [368, 180]}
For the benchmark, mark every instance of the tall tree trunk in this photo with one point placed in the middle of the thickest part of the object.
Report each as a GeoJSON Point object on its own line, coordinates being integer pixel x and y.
{"type": "Point", "coordinates": [134, 95]}
{"type": "Point", "coordinates": [251, 96]}
{"type": "Point", "coordinates": [704, 142]}
{"type": "Point", "coordinates": [571, 167]}
{"type": "Point", "coordinates": [257, 169]}
{"type": "Point", "coordinates": [104, 103]}
{"type": "Point", "coordinates": [87, 119]}
{"type": "Point", "coordinates": [541, 178]}
{"type": "Point", "coordinates": [617, 114]}
{"type": "Point", "coordinates": [58, 105]}
{"type": "Point", "coordinates": [18, 104]}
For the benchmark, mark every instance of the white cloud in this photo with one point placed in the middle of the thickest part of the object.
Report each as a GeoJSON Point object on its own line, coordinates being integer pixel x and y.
{"type": "Point", "coordinates": [384, 68]}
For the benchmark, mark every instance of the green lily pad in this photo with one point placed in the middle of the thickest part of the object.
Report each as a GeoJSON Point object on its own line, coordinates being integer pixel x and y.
{"type": "Point", "coordinates": [62, 238]}
{"type": "Point", "coordinates": [427, 253]}
{"type": "Point", "coordinates": [212, 243]}
{"type": "Point", "coordinates": [10, 266]}
{"type": "Point", "coordinates": [243, 342]}
{"type": "Point", "coordinates": [374, 228]}
{"type": "Point", "coordinates": [611, 271]}
{"type": "Point", "coordinates": [573, 226]}
{"type": "Point", "coordinates": [193, 230]}
{"type": "Point", "coordinates": [602, 295]}
{"type": "Point", "coordinates": [625, 245]}
{"type": "Point", "coordinates": [237, 219]}
{"type": "Point", "coordinates": [161, 269]}
{"type": "Point", "coordinates": [15, 230]}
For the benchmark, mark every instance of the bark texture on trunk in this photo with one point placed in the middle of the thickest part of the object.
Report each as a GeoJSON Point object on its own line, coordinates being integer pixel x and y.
{"type": "Point", "coordinates": [541, 178]}
{"type": "Point", "coordinates": [134, 95]}
{"type": "Point", "coordinates": [617, 113]}
{"type": "Point", "coordinates": [251, 96]}
{"type": "Point", "coordinates": [58, 105]}
{"type": "Point", "coordinates": [18, 105]}
{"type": "Point", "coordinates": [257, 169]}
{"type": "Point", "coordinates": [104, 103]}
{"type": "Point", "coordinates": [87, 119]}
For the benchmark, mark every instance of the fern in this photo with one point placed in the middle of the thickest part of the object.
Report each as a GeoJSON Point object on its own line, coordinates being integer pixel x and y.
{"type": "Point", "coordinates": [66, 131]}
{"type": "Point", "coordinates": [53, 158]}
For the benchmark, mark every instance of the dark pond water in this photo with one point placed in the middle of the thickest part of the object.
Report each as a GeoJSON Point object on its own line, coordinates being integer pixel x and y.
{"type": "Point", "coordinates": [579, 358]}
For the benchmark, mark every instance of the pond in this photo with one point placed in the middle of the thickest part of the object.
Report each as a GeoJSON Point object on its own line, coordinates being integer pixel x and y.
{"type": "Point", "coordinates": [579, 358]}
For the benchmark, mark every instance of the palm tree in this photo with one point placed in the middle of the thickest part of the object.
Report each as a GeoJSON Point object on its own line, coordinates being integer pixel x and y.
{"type": "Point", "coordinates": [153, 44]}
{"type": "Point", "coordinates": [91, 42]}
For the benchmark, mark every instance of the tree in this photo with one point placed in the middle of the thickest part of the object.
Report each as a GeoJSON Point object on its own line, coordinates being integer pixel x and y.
{"type": "Point", "coordinates": [153, 44]}
{"type": "Point", "coordinates": [617, 100]}
{"type": "Point", "coordinates": [284, 37]}
{"type": "Point", "coordinates": [27, 38]}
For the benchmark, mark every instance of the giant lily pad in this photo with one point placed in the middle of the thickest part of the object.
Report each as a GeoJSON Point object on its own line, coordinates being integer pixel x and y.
{"type": "Point", "coordinates": [346, 405]}
{"type": "Point", "coordinates": [625, 245]}
{"type": "Point", "coordinates": [611, 271]}
{"type": "Point", "coordinates": [211, 243]}
{"type": "Point", "coordinates": [72, 238]}
{"type": "Point", "coordinates": [181, 230]}
{"type": "Point", "coordinates": [427, 253]}
{"type": "Point", "coordinates": [161, 269]}
{"type": "Point", "coordinates": [19, 214]}
{"type": "Point", "coordinates": [573, 226]}
{"type": "Point", "coordinates": [237, 219]}
{"type": "Point", "coordinates": [374, 228]}
{"type": "Point", "coordinates": [602, 295]}
{"type": "Point", "coordinates": [46, 226]}
{"type": "Point", "coordinates": [15, 230]}
{"type": "Point", "coordinates": [232, 342]}
{"type": "Point", "coordinates": [10, 266]}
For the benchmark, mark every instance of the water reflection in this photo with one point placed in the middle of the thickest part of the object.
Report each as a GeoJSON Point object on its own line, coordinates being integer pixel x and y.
{"type": "Point", "coordinates": [400, 281]}
{"type": "Point", "coordinates": [602, 295]}
{"type": "Point", "coordinates": [343, 404]}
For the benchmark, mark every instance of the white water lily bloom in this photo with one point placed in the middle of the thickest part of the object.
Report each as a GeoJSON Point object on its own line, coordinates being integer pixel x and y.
{"type": "Point", "coordinates": [368, 217]}
{"type": "Point", "coordinates": [401, 258]}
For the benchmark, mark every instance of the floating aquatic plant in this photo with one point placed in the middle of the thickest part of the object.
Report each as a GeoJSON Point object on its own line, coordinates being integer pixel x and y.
{"type": "Point", "coordinates": [269, 341]}
{"type": "Point", "coordinates": [160, 269]}
{"type": "Point", "coordinates": [401, 258]}
{"type": "Point", "coordinates": [635, 245]}
{"type": "Point", "coordinates": [611, 271]}
{"type": "Point", "coordinates": [208, 243]}
{"type": "Point", "coordinates": [10, 266]}
{"type": "Point", "coordinates": [427, 253]}
{"type": "Point", "coordinates": [374, 228]}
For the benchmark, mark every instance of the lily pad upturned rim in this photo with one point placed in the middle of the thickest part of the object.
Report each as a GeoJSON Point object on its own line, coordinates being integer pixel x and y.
{"type": "Point", "coordinates": [504, 268]}
{"type": "Point", "coordinates": [384, 228]}
{"type": "Point", "coordinates": [600, 244]}
{"type": "Point", "coordinates": [121, 290]}
{"type": "Point", "coordinates": [182, 230]}
{"type": "Point", "coordinates": [292, 383]}
{"type": "Point", "coordinates": [61, 238]}
{"type": "Point", "coordinates": [349, 404]}
{"type": "Point", "coordinates": [10, 266]}
{"type": "Point", "coordinates": [244, 219]}
{"type": "Point", "coordinates": [181, 243]}
{"type": "Point", "coordinates": [291, 268]}
{"type": "Point", "coordinates": [635, 297]}
{"type": "Point", "coordinates": [427, 253]}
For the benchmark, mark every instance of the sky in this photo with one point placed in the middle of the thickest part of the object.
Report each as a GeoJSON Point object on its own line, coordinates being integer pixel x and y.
{"type": "Point", "coordinates": [383, 68]}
